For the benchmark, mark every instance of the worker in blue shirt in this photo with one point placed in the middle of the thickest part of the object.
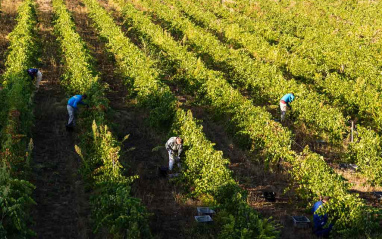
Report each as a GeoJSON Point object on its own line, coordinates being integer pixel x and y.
{"type": "Point", "coordinates": [284, 102]}
{"type": "Point", "coordinates": [33, 72]}
{"type": "Point", "coordinates": [320, 220]}
{"type": "Point", "coordinates": [72, 108]}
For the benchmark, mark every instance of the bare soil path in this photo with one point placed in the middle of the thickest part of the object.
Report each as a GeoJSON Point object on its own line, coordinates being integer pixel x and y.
{"type": "Point", "coordinates": [61, 210]}
{"type": "Point", "coordinates": [170, 217]}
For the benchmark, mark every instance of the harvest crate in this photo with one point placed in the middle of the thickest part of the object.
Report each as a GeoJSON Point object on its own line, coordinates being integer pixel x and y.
{"type": "Point", "coordinates": [300, 221]}
{"type": "Point", "coordinates": [378, 195]}
{"type": "Point", "coordinates": [202, 211]}
{"type": "Point", "coordinates": [204, 219]}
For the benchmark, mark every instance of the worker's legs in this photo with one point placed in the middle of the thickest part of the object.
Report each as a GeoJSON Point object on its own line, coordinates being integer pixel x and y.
{"type": "Point", "coordinates": [71, 112]}
{"type": "Point", "coordinates": [171, 160]}
{"type": "Point", "coordinates": [38, 79]}
{"type": "Point", "coordinates": [177, 160]}
{"type": "Point", "coordinates": [283, 108]}
{"type": "Point", "coordinates": [324, 232]}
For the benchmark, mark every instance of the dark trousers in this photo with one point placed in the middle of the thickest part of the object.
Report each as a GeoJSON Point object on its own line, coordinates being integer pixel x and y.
{"type": "Point", "coordinates": [323, 232]}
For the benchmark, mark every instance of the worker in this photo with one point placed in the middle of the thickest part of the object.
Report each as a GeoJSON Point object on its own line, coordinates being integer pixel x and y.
{"type": "Point", "coordinates": [320, 218]}
{"type": "Point", "coordinates": [284, 102]}
{"type": "Point", "coordinates": [33, 72]}
{"type": "Point", "coordinates": [174, 147]}
{"type": "Point", "coordinates": [72, 108]}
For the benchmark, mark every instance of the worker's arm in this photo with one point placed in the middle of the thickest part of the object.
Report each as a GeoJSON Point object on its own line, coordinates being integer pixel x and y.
{"type": "Point", "coordinates": [75, 104]}
{"type": "Point", "coordinates": [290, 101]}
{"type": "Point", "coordinates": [180, 150]}
{"type": "Point", "coordinates": [168, 145]}
{"type": "Point", "coordinates": [81, 102]}
{"type": "Point", "coordinates": [77, 101]}
{"type": "Point", "coordinates": [32, 72]}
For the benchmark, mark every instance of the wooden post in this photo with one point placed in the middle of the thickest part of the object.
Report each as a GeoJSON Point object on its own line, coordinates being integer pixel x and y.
{"type": "Point", "coordinates": [352, 131]}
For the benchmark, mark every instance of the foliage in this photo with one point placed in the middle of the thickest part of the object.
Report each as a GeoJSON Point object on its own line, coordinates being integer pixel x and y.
{"type": "Point", "coordinates": [350, 213]}
{"type": "Point", "coordinates": [205, 169]}
{"type": "Point", "coordinates": [197, 76]}
{"type": "Point", "coordinates": [16, 119]}
{"type": "Point", "coordinates": [113, 208]}
{"type": "Point", "coordinates": [264, 81]}
{"type": "Point", "coordinates": [238, 218]}
{"type": "Point", "coordinates": [352, 93]}
{"type": "Point", "coordinates": [15, 197]}
{"type": "Point", "coordinates": [253, 126]}
{"type": "Point", "coordinates": [136, 68]}
{"type": "Point", "coordinates": [365, 151]}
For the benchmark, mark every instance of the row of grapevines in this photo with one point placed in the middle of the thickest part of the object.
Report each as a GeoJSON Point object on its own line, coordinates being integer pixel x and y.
{"type": "Point", "coordinates": [16, 120]}
{"type": "Point", "coordinates": [204, 168]}
{"type": "Point", "coordinates": [234, 33]}
{"type": "Point", "coordinates": [350, 215]}
{"type": "Point", "coordinates": [195, 70]}
{"type": "Point", "coordinates": [113, 207]}
{"type": "Point", "coordinates": [368, 173]}
{"type": "Point", "coordinates": [363, 98]}
{"type": "Point", "coordinates": [355, 97]}
{"type": "Point", "coordinates": [365, 151]}
{"type": "Point", "coordinates": [331, 37]}
{"type": "Point", "coordinates": [236, 217]}
{"type": "Point", "coordinates": [319, 24]}
{"type": "Point", "coordinates": [264, 81]}
{"type": "Point", "coordinates": [253, 125]}
{"type": "Point", "coordinates": [134, 66]}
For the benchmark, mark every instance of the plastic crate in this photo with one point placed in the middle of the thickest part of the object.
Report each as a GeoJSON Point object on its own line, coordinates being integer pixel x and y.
{"type": "Point", "coordinates": [204, 219]}
{"type": "Point", "coordinates": [353, 167]}
{"type": "Point", "coordinates": [270, 196]}
{"type": "Point", "coordinates": [378, 195]}
{"type": "Point", "coordinates": [301, 221]}
{"type": "Point", "coordinates": [205, 211]}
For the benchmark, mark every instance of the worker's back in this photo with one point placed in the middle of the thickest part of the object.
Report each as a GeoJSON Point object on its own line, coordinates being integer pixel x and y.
{"type": "Point", "coordinates": [288, 98]}
{"type": "Point", "coordinates": [73, 101]}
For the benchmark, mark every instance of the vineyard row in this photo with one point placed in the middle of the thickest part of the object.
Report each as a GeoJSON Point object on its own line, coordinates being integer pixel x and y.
{"type": "Point", "coordinates": [113, 207]}
{"type": "Point", "coordinates": [205, 168]}
{"type": "Point", "coordinates": [326, 117]}
{"type": "Point", "coordinates": [16, 120]}
{"type": "Point", "coordinates": [197, 74]}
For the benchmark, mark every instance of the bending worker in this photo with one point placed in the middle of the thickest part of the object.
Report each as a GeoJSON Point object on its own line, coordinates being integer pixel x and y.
{"type": "Point", "coordinates": [284, 102]}
{"type": "Point", "coordinates": [174, 147]}
{"type": "Point", "coordinates": [72, 108]}
{"type": "Point", "coordinates": [33, 72]}
{"type": "Point", "coordinates": [320, 220]}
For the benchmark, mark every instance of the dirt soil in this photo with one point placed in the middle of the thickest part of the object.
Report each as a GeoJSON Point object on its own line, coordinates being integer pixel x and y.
{"type": "Point", "coordinates": [170, 215]}
{"type": "Point", "coordinates": [62, 210]}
